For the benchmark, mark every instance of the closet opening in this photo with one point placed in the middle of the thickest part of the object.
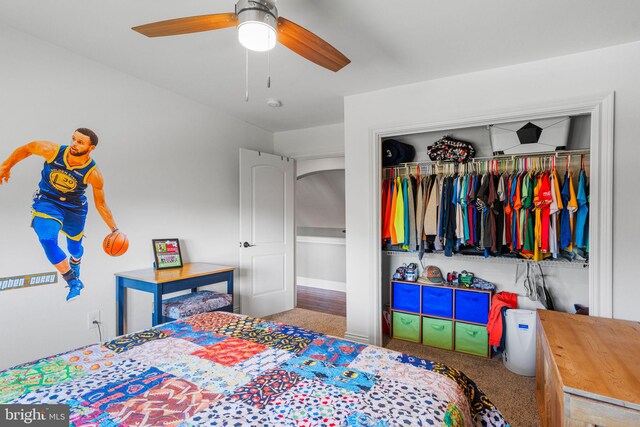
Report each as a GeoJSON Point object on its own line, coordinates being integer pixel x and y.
{"type": "Point", "coordinates": [582, 280]}
{"type": "Point", "coordinates": [320, 236]}
{"type": "Point", "coordinates": [455, 211]}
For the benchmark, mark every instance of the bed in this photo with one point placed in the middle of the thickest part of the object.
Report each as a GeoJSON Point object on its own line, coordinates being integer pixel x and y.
{"type": "Point", "coordinates": [222, 369]}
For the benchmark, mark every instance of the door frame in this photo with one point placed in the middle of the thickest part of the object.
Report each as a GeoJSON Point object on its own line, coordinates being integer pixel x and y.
{"type": "Point", "coordinates": [601, 110]}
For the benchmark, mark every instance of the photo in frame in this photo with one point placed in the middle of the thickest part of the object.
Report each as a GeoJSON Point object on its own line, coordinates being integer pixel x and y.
{"type": "Point", "coordinates": [166, 253]}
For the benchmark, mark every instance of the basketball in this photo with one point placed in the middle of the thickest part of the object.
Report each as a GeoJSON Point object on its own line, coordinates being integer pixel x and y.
{"type": "Point", "coordinates": [115, 244]}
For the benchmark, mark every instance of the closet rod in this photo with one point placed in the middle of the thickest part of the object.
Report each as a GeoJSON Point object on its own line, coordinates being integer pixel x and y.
{"type": "Point", "coordinates": [504, 156]}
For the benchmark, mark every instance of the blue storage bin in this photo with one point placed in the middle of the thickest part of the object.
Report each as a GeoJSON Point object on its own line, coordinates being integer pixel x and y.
{"type": "Point", "coordinates": [406, 297]}
{"type": "Point", "coordinates": [437, 301]}
{"type": "Point", "coordinates": [472, 306]}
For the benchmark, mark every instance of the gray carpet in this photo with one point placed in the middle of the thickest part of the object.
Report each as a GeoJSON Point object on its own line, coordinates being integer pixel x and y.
{"type": "Point", "coordinates": [514, 395]}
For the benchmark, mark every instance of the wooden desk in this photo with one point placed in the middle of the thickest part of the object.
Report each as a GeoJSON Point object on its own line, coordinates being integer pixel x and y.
{"type": "Point", "coordinates": [587, 370]}
{"type": "Point", "coordinates": [160, 282]}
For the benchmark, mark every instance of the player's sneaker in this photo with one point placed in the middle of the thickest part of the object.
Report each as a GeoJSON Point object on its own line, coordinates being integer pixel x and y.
{"type": "Point", "coordinates": [75, 286]}
{"type": "Point", "coordinates": [75, 267]}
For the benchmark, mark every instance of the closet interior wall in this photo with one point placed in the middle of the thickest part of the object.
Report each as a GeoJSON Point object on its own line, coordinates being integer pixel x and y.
{"type": "Point", "coordinates": [568, 283]}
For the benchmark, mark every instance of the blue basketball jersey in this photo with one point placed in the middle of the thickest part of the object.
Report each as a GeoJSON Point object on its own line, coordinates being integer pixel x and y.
{"type": "Point", "coordinates": [62, 183]}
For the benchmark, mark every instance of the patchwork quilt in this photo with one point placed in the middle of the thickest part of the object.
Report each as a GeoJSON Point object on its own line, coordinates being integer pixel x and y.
{"type": "Point", "coordinates": [223, 369]}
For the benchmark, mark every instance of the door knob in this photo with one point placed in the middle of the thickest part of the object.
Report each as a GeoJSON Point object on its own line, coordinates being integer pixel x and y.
{"type": "Point", "coordinates": [247, 245]}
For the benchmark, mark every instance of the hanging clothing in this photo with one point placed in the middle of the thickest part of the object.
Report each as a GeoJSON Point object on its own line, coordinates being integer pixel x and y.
{"type": "Point", "coordinates": [386, 235]}
{"type": "Point", "coordinates": [420, 201]}
{"type": "Point", "coordinates": [392, 216]}
{"type": "Point", "coordinates": [532, 214]}
{"type": "Point", "coordinates": [406, 188]}
{"type": "Point", "coordinates": [477, 213]}
{"type": "Point", "coordinates": [410, 239]}
{"type": "Point", "coordinates": [439, 238]}
{"type": "Point", "coordinates": [471, 208]}
{"type": "Point", "coordinates": [481, 206]}
{"type": "Point", "coordinates": [464, 204]}
{"type": "Point", "coordinates": [432, 213]}
{"type": "Point", "coordinates": [422, 237]}
{"type": "Point", "coordinates": [554, 208]}
{"type": "Point", "coordinates": [581, 226]}
{"type": "Point", "coordinates": [490, 228]}
{"type": "Point", "coordinates": [398, 221]}
{"type": "Point", "coordinates": [517, 206]}
{"type": "Point", "coordinates": [450, 226]}
{"type": "Point", "coordinates": [499, 209]}
{"type": "Point", "coordinates": [444, 208]}
{"type": "Point", "coordinates": [542, 203]}
{"type": "Point", "coordinates": [494, 326]}
{"type": "Point", "coordinates": [526, 220]}
{"type": "Point", "coordinates": [508, 212]}
{"type": "Point", "coordinates": [459, 215]}
{"type": "Point", "coordinates": [566, 217]}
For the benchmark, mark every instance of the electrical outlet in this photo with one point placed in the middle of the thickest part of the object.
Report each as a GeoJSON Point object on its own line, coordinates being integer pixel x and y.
{"type": "Point", "coordinates": [91, 316]}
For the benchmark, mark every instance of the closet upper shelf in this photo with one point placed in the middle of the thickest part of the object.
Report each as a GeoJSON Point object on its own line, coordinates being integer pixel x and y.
{"type": "Point", "coordinates": [579, 138]}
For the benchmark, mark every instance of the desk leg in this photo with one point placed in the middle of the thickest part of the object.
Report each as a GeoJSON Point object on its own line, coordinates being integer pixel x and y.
{"type": "Point", "coordinates": [157, 306]}
{"type": "Point", "coordinates": [120, 295]}
{"type": "Point", "coordinates": [230, 289]}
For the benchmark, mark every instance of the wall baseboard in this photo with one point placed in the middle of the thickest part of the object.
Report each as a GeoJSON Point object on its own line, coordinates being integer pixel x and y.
{"type": "Point", "coordinates": [329, 285]}
{"type": "Point", "coordinates": [356, 338]}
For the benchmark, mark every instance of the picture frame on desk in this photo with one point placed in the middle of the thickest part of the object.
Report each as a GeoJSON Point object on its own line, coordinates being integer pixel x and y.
{"type": "Point", "coordinates": [166, 253]}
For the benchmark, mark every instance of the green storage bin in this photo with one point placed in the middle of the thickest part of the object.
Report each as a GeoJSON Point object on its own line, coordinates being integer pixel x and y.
{"type": "Point", "coordinates": [406, 326]}
{"type": "Point", "coordinates": [473, 339]}
{"type": "Point", "coordinates": [437, 332]}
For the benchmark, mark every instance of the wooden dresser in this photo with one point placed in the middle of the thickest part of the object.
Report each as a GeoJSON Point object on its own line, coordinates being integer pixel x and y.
{"type": "Point", "coordinates": [588, 370]}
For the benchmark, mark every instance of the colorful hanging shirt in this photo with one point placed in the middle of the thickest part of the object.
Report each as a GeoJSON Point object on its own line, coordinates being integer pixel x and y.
{"type": "Point", "coordinates": [581, 227]}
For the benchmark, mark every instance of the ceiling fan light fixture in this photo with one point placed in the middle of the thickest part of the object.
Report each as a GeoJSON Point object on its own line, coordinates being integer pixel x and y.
{"type": "Point", "coordinates": [257, 24]}
{"type": "Point", "coordinates": [257, 36]}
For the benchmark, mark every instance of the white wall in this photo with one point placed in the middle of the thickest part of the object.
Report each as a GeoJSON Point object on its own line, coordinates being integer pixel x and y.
{"type": "Point", "coordinates": [306, 167]}
{"type": "Point", "coordinates": [170, 167]}
{"type": "Point", "coordinates": [320, 221]}
{"type": "Point", "coordinates": [552, 81]}
{"type": "Point", "coordinates": [320, 200]}
{"type": "Point", "coordinates": [320, 263]}
{"type": "Point", "coordinates": [311, 143]}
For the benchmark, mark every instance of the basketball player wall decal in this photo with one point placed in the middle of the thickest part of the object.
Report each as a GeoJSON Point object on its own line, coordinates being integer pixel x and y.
{"type": "Point", "coordinates": [60, 204]}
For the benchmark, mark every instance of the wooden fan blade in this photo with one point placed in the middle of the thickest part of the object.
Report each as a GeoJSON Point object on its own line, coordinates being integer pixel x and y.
{"type": "Point", "coordinates": [306, 44]}
{"type": "Point", "coordinates": [191, 24]}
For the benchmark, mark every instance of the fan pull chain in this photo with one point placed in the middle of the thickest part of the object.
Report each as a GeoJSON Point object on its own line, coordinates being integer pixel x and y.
{"type": "Point", "coordinates": [268, 70]}
{"type": "Point", "coordinates": [246, 76]}
{"type": "Point", "coordinates": [269, 63]}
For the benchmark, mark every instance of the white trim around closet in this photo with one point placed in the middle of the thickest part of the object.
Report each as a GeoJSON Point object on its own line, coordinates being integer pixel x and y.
{"type": "Point", "coordinates": [601, 109]}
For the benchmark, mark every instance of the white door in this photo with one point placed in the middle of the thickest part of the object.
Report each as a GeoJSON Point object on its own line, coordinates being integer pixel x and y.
{"type": "Point", "coordinates": [266, 276]}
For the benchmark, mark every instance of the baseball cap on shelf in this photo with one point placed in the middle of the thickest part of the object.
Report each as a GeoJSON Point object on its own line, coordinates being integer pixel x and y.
{"type": "Point", "coordinates": [431, 275]}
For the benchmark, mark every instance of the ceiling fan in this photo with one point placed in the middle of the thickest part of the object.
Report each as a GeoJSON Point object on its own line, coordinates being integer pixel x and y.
{"type": "Point", "coordinates": [259, 27]}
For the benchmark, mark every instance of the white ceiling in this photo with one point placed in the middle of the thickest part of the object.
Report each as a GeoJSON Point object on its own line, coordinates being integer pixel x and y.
{"type": "Point", "coordinates": [389, 43]}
